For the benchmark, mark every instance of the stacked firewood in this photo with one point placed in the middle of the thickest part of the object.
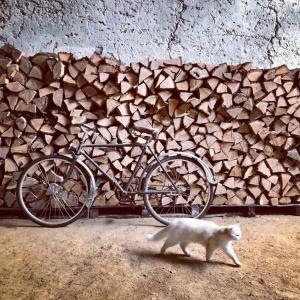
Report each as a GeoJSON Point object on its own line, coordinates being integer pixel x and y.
{"type": "Point", "coordinates": [243, 122]}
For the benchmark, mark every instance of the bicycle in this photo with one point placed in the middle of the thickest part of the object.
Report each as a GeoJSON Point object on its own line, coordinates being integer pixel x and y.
{"type": "Point", "coordinates": [56, 190]}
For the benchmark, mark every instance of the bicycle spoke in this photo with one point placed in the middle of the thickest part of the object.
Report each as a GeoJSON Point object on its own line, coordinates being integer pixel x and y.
{"type": "Point", "coordinates": [62, 210]}
{"type": "Point", "coordinates": [45, 198]}
{"type": "Point", "coordinates": [45, 209]}
{"type": "Point", "coordinates": [63, 206]}
{"type": "Point", "coordinates": [45, 179]}
{"type": "Point", "coordinates": [49, 217]}
{"type": "Point", "coordinates": [189, 180]}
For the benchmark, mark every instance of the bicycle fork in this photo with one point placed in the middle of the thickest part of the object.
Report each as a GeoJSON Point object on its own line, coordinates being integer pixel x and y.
{"type": "Point", "coordinates": [92, 191]}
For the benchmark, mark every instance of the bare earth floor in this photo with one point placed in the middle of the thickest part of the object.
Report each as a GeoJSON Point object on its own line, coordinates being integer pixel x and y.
{"type": "Point", "coordinates": [111, 259]}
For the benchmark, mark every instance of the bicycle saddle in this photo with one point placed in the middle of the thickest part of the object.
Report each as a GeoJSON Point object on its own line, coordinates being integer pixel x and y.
{"type": "Point", "coordinates": [148, 130]}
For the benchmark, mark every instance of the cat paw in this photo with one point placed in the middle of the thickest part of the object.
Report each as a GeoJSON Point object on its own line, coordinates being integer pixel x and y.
{"type": "Point", "coordinates": [187, 254]}
{"type": "Point", "coordinates": [238, 264]}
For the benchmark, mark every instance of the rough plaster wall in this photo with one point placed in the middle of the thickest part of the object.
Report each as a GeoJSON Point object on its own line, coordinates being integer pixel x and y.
{"type": "Point", "coordinates": [233, 31]}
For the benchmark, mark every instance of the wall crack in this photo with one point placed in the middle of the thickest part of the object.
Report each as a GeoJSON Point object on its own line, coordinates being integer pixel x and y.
{"type": "Point", "coordinates": [178, 20]}
{"type": "Point", "coordinates": [275, 34]}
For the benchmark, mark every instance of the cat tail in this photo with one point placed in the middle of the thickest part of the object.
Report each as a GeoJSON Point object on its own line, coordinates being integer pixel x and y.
{"type": "Point", "coordinates": [158, 236]}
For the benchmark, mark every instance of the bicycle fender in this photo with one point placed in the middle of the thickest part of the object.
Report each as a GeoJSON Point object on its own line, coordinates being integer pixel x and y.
{"type": "Point", "coordinates": [92, 192]}
{"type": "Point", "coordinates": [208, 172]}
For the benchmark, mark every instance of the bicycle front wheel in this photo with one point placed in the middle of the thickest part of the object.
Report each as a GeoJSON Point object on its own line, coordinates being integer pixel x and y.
{"type": "Point", "coordinates": [52, 192]}
{"type": "Point", "coordinates": [178, 188]}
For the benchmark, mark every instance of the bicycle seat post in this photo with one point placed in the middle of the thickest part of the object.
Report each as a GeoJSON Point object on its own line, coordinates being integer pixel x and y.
{"type": "Point", "coordinates": [82, 140]}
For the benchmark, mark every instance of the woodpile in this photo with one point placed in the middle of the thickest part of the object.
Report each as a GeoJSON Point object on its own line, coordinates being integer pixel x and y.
{"type": "Point", "coordinates": [243, 122]}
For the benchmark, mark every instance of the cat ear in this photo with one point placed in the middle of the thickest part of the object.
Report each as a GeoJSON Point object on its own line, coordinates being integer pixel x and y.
{"type": "Point", "coordinates": [237, 226]}
{"type": "Point", "coordinates": [234, 225]}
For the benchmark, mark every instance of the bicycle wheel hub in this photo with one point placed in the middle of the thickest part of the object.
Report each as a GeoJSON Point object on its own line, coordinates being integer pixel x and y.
{"type": "Point", "coordinates": [55, 188]}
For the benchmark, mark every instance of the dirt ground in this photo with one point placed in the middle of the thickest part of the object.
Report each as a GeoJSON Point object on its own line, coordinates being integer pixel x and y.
{"type": "Point", "coordinates": [111, 259]}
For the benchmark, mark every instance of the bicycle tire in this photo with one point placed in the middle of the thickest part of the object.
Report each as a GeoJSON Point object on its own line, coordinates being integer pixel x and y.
{"type": "Point", "coordinates": [21, 201]}
{"type": "Point", "coordinates": [147, 202]}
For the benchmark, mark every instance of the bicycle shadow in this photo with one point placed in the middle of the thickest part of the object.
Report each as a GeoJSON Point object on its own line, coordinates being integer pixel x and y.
{"type": "Point", "coordinates": [180, 259]}
{"type": "Point", "coordinates": [15, 223]}
{"type": "Point", "coordinates": [125, 222]}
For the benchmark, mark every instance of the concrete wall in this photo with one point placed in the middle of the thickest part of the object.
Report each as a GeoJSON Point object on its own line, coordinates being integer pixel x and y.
{"type": "Point", "coordinates": [233, 31]}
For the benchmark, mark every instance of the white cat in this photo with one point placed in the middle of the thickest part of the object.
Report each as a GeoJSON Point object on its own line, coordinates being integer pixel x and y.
{"type": "Point", "coordinates": [210, 235]}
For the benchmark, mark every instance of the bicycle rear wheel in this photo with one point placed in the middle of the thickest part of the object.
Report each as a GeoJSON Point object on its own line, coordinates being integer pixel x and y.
{"type": "Point", "coordinates": [48, 196]}
{"type": "Point", "coordinates": [187, 176]}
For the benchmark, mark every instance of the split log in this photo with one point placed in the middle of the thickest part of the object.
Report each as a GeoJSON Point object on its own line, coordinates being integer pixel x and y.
{"type": "Point", "coordinates": [15, 86]}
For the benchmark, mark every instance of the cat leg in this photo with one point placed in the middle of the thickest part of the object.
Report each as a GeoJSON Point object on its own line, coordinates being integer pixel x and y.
{"type": "Point", "coordinates": [228, 249]}
{"type": "Point", "coordinates": [210, 248]}
{"type": "Point", "coordinates": [183, 246]}
{"type": "Point", "coordinates": [168, 243]}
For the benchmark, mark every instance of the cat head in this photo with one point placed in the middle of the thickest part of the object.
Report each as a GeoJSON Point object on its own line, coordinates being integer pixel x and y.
{"type": "Point", "coordinates": [234, 231]}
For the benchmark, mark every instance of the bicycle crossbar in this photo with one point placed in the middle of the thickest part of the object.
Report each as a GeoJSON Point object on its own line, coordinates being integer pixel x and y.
{"type": "Point", "coordinates": [151, 192]}
{"type": "Point", "coordinates": [111, 145]}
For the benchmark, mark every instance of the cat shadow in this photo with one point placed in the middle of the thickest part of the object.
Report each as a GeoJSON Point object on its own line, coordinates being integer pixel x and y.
{"type": "Point", "coordinates": [181, 259]}
{"type": "Point", "coordinates": [151, 225]}
{"type": "Point", "coordinates": [136, 224]}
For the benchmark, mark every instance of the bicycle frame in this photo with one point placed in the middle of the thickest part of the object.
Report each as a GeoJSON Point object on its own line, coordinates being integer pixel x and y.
{"type": "Point", "coordinates": [145, 183]}
{"type": "Point", "coordinates": [125, 191]}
